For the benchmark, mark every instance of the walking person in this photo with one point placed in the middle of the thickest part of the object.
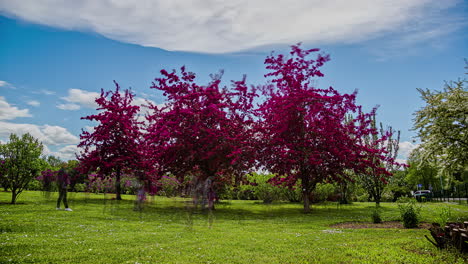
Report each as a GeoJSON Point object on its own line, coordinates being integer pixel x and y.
{"type": "Point", "coordinates": [62, 183]}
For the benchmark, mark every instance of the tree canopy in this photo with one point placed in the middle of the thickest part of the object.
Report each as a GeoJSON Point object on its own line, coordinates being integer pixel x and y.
{"type": "Point", "coordinates": [442, 125]}
{"type": "Point", "coordinates": [114, 144]}
{"type": "Point", "coordinates": [202, 130]}
{"type": "Point", "coordinates": [305, 131]}
{"type": "Point", "coordinates": [20, 162]}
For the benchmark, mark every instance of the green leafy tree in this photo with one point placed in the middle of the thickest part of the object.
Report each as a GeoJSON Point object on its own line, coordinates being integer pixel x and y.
{"type": "Point", "coordinates": [442, 126]}
{"type": "Point", "coordinates": [423, 171]}
{"type": "Point", "coordinates": [20, 162]}
{"type": "Point", "coordinates": [55, 162]}
{"type": "Point", "coordinates": [398, 185]}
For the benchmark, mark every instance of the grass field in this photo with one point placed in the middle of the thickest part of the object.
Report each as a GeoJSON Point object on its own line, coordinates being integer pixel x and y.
{"type": "Point", "coordinates": [101, 230]}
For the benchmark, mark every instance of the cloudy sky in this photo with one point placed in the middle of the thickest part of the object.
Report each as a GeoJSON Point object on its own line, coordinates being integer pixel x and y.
{"type": "Point", "coordinates": [56, 55]}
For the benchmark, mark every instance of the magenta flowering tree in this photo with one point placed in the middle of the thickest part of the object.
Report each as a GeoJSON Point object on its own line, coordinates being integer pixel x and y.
{"type": "Point", "coordinates": [114, 145]}
{"type": "Point", "coordinates": [309, 134]}
{"type": "Point", "coordinates": [203, 131]}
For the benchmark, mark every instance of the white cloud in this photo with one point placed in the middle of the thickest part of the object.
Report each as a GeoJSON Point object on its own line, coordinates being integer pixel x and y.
{"type": "Point", "coordinates": [68, 106]}
{"type": "Point", "coordinates": [6, 85]}
{"type": "Point", "coordinates": [9, 112]}
{"type": "Point", "coordinates": [405, 149]}
{"type": "Point", "coordinates": [67, 153]}
{"type": "Point", "coordinates": [33, 103]}
{"type": "Point", "coordinates": [90, 129]}
{"type": "Point", "coordinates": [49, 135]}
{"type": "Point", "coordinates": [228, 26]}
{"type": "Point", "coordinates": [64, 153]}
{"type": "Point", "coordinates": [77, 98]}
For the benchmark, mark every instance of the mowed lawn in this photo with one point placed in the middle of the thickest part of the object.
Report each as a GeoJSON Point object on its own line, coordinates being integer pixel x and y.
{"type": "Point", "coordinates": [167, 230]}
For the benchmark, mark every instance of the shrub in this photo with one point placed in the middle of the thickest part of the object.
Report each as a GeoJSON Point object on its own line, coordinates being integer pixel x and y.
{"type": "Point", "coordinates": [34, 185]}
{"type": "Point", "coordinates": [444, 215]}
{"type": "Point", "coordinates": [324, 192]}
{"type": "Point", "coordinates": [244, 192]}
{"type": "Point", "coordinates": [387, 196]}
{"type": "Point", "coordinates": [294, 194]}
{"type": "Point", "coordinates": [262, 189]}
{"type": "Point", "coordinates": [79, 187]}
{"type": "Point", "coordinates": [410, 214]}
{"type": "Point", "coordinates": [375, 216]}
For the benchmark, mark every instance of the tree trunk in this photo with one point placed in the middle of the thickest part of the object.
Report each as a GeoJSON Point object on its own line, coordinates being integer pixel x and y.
{"type": "Point", "coordinates": [117, 186]}
{"type": "Point", "coordinates": [306, 199]}
{"type": "Point", "coordinates": [305, 184]}
{"type": "Point", "coordinates": [377, 198]}
{"type": "Point", "coordinates": [14, 195]}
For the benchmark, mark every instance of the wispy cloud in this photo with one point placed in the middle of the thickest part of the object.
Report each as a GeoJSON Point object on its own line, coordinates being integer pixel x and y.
{"type": "Point", "coordinates": [231, 26]}
{"type": "Point", "coordinates": [9, 112]}
{"type": "Point", "coordinates": [33, 103]}
{"type": "Point", "coordinates": [5, 84]}
{"type": "Point", "coordinates": [44, 91]}
{"type": "Point", "coordinates": [68, 106]}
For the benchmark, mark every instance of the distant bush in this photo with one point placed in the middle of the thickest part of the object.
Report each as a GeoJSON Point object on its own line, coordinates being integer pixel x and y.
{"type": "Point", "coordinates": [387, 196]}
{"type": "Point", "coordinates": [79, 187]}
{"type": "Point", "coordinates": [244, 192]}
{"type": "Point", "coordinates": [293, 194]}
{"type": "Point", "coordinates": [34, 185]}
{"type": "Point", "coordinates": [324, 192]}
{"type": "Point", "coordinates": [169, 186]}
{"type": "Point", "coordinates": [262, 189]}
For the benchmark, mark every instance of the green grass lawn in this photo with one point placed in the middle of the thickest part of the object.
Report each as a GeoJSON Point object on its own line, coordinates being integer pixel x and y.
{"type": "Point", "coordinates": [101, 230]}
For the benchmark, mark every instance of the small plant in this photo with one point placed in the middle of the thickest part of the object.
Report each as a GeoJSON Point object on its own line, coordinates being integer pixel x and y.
{"type": "Point", "coordinates": [376, 217]}
{"type": "Point", "coordinates": [444, 215]}
{"type": "Point", "coordinates": [410, 214]}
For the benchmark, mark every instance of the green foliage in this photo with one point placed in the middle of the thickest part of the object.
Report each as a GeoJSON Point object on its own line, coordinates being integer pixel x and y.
{"type": "Point", "coordinates": [34, 185]}
{"type": "Point", "coordinates": [80, 187]}
{"type": "Point", "coordinates": [445, 215]}
{"type": "Point", "coordinates": [442, 124]}
{"type": "Point", "coordinates": [54, 162]}
{"type": "Point", "coordinates": [376, 216]}
{"type": "Point", "coordinates": [244, 192]}
{"type": "Point", "coordinates": [20, 163]}
{"type": "Point", "coordinates": [410, 214]}
{"type": "Point", "coordinates": [402, 200]}
{"type": "Point", "coordinates": [293, 194]}
{"type": "Point", "coordinates": [262, 189]}
{"type": "Point", "coordinates": [325, 192]}
{"type": "Point", "coordinates": [398, 186]}
{"type": "Point", "coordinates": [422, 170]}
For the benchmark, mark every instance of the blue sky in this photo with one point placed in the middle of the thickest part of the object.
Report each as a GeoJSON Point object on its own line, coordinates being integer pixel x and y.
{"type": "Point", "coordinates": [56, 55]}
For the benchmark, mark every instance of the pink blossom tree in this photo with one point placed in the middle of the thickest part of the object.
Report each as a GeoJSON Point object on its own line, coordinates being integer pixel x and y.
{"type": "Point", "coordinates": [309, 134]}
{"type": "Point", "coordinates": [201, 131]}
{"type": "Point", "coordinates": [114, 145]}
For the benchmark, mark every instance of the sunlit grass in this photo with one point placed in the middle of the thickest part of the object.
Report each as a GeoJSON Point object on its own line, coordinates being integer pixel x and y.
{"type": "Point", "coordinates": [101, 230]}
